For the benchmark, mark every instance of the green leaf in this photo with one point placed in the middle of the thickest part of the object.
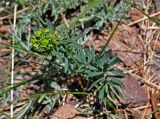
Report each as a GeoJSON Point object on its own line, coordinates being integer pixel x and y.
{"type": "Point", "coordinates": [75, 46]}
{"type": "Point", "coordinates": [109, 83]}
{"type": "Point", "coordinates": [111, 104]}
{"type": "Point", "coordinates": [90, 53]}
{"type": "Point", "coordinates": [90, 67]}
{"type": "Point", "coordinates": [101, 93]}
{"type": "Point", "coordinates": [6, 37]}
{"type": "Point", "coordinates": [27, 109]}
{"type": "Point", "coordinates": [117, 91]}
{"type": "Point", "coordinates": [104, 101]}
{"type": "Point", "coordinates": [116, 74]}
{"type": "Point", "coordinates": [96, 82]}
{"type": "Point", "coordinates": [8, 88]}
{"type": "Point", "coordinates": [86, 18]}
{"type": "Point", "coordinates": [117, 82]}
{"type": "Point", "coordinates": [81, 69]}
{"type": "Point", "coordinates": [78, 57]}
{"type": "Point", "coordinates": [41, 98]}
{"type": "Point", "coordinates": [111, 94]}
{"type": "Point", "coordinates": [77, 37]}
{"type": "Point", "coordinates": [50, 25]}
{"type": "Point", "coordinates": [92, 74]}
{"type": "Point", "coordinates": [55, 85]}
{"type": "Point", "coordinates": [113, 61]}
{"type": "Point", "coordinates": [58, 54]}
{"type": "Point", "coordinates": [106, 57]}
{"type": "Point", "coordinates": [82, 56]}
{"type": "Point", "coordinates": [17, 47]}
{"type": "Point", "coordinates": [66, 65]}
{"type": "Point", "coordinates": [98, 62]}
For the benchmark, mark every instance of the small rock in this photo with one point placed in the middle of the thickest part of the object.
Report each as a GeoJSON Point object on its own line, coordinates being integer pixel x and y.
{"type": "Point", "coordinates": [66, 111]}
{"type": "Point", "coordinates": [134, 94]}
{"type": "Point", "coordinates": [26, 77]}
{"type": "Point", "coordinates": [19, 77]}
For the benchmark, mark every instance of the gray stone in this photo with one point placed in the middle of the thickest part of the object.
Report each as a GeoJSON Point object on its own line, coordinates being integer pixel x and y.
{"type": "Point", "coordinates": [134, 94]}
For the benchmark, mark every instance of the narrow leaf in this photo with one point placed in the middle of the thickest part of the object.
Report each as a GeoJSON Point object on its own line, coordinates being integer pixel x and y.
{"type": "Point", "coordinates": [96, 82]}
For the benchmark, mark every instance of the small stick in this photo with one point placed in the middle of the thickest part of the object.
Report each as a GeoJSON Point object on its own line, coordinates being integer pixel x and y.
{"type": "Point", "coordinates": [142, 80]}
{"type": "Point", "coordinates": [11, 15]}
{"type": "Point", "coordinates": [12, 67]}
{"type": "Point", "coordinates": [143, 107]}
{"type": "Point", "coordinates": [64, 19]}
{"type": "Point", "coordinates": [144, 18]}
{"type": "Point", "coordinates": [153, 28]}
{"type": "Point", "coordinates": [147, 82]}
{"type": "Point", "coordinates": [20, 11]}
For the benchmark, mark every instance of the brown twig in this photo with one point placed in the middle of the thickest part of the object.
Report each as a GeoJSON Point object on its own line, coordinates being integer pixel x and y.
{"type": "Point", "coordinates": [12, 66]}
{"type": "Point", "coordinates": [143, 107]}
{"type": "Point", "coordinates": [154, 102]}
{"type": "Point", "coordinates": [64, 19]}
{"type": "Point", "coordinates": [20, 11]}
{"type": "Point", "coordinates": [140, 79]}
{"type": "Point", "coordinates": [146, 82]}
{"type": "Point", "coordinates": [144, 18]}
{"type": "Point", "coordinates": [11, 15]}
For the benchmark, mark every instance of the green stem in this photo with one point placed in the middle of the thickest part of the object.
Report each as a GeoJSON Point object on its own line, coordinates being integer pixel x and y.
{"type": "Point", "coordinates": [111, 36]}
{"type": "Point", "coordinates": [6, 37]}
{"type": "Point", "coordinates": [8, 88]}
{"type": "Point", "coordinates": [63, 92]}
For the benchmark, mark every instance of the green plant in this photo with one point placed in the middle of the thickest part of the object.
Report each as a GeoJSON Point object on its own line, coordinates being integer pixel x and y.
{"type": "Point", "coordinates": [61, 46]}
{"type": "Point", "coordinates": [72, 59]}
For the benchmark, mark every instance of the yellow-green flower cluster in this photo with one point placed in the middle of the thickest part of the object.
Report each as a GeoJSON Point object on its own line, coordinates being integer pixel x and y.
{"type": "Point", "coordinates": [44, 40]}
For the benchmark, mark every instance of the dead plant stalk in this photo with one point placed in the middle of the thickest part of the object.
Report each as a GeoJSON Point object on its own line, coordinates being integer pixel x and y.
{"type": "Point", "coordinates": [144, 18]}
{"type": "Point", "coordinates": [12, 67]}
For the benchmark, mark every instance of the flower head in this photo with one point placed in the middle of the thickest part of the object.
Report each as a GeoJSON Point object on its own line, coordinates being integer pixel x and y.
{"type": "Point", "coordinates": [52, 36]}
{"type": "Point", "coordinates": [33, 40]}
{"type": "Point", "coordinates": [44, 40]}
{"type": "Point", "coordinates": [46, 30]}
{"type": "Point", "coordinates": [38, 33]}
